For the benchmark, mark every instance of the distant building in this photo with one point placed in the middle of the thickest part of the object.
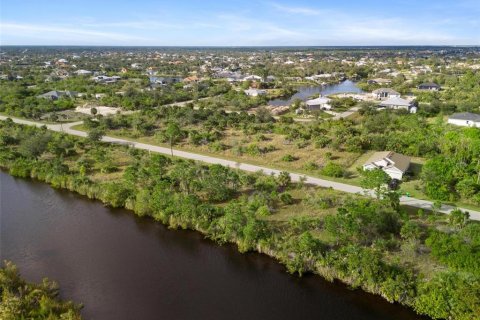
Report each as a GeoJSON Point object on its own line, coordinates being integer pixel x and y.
{"type": "Point", "coordinates": [252, 78]}
{"type": "Point", "coordinates": [385, 93]}
{"type": "Point", "coordinates": [429, 86]}
{"type": "Point", "coordinates": [165, 80]}
{"type": "Point", "coordinates": [271, 78]}
{"type": "Point", "coordinates": [55, 95]}
{"type": "Point", "coordinates": [106, 79]}
{"type": "Point", "coordinates": [379, 81]}
{"type": "Point", "coordinates": [394, 164]}
{"type": "Point", "coordinates": [83, 72]}
{"type": "Point", "coordinates": [255, 92]}
{"type": "Point", "coordinates": [320, 103]}
{"type": "Point", "coordinates": [465, 119]}
{"type": "Point", "coordinates": [100, 95]}
{"type": "Point", "coordinates": [397, 103]}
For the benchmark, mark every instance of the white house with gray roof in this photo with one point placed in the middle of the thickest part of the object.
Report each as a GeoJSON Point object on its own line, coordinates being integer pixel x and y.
{"type": "Point", "coordinates": [385, 93]}
{"type": "Point", "coordinates": [392, 163]}
{"type": "Point", "coordinates": [320, 103]}
{"type": "Point", "coordinates": [398, 103]}
{"type": "Point", "coordinates": [55, 95]}
{"type": "Point", "coordinates": [255, 92]}
{"type": "Point", "coordinates": [465, 119]}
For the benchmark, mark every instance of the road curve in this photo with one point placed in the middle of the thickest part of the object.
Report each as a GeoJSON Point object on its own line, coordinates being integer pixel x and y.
{"type": "Point", "coordinates": [67, 128]}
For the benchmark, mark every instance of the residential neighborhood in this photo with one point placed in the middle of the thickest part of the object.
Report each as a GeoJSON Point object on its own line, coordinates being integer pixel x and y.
{"type": "Point", "coordinates": [133, 168]}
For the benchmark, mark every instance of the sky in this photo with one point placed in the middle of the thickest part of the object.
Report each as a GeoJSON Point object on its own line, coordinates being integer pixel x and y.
{"type": "Point", "coordinates": [239, 23]}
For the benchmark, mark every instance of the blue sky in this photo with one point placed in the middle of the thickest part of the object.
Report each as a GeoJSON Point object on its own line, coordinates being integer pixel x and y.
{"type": "Point", "coordinates": [239, 23]}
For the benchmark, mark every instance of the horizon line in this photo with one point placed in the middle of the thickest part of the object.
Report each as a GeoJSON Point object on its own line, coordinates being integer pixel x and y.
{"type": "Point", "coordinates": [241, 46]}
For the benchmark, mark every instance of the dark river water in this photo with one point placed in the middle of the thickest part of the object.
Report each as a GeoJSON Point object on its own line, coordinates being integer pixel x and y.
{"type": "Point", "coordinates": [304, 92]}
{"type": "Point", "coordinates": [123, 267]}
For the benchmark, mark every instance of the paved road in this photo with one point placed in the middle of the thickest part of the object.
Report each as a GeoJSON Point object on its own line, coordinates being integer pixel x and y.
{"type": "Point", "coordinates": [67, 128]}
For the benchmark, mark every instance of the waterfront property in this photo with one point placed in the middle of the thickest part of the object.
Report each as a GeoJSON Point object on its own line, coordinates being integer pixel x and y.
{"type": "Point", "coordinates": [255, 92]}
{"type": "Point", "coordinates": [379, 81]}
{"type": "Point", "coordinates": [394, 164]}
{"type": "Point", "coordinates": [320, 103]}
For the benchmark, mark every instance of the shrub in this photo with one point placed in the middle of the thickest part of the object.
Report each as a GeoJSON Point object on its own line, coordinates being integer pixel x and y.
{"type": "Point", "coordinates": [286, 198]}
{"type": "Point", "coordinates": [332, 169]}
{"type": "Point", "coordinates": [288, 158]}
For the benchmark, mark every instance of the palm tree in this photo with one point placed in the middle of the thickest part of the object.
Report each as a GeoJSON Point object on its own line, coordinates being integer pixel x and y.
{"type": "Point", "coordinates": [172, 132]}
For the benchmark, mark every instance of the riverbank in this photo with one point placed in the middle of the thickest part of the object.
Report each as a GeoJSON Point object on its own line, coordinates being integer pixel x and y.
{"type": "Point", "coordinates": [114, 279]}
{"type": "Point", "coordinates": [229, 206]}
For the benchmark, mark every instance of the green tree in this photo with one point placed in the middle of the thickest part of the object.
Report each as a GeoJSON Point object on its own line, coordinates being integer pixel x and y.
{"type": "Point", "coordinates": [172, 132]}
{"type": "Point", "coordinates": [458, 218]}
{"type": "Point", "coordinates": [377, 180]}
{"type": "Point", "coordinates": [95, 134]}
{"type": "Point", "coordinates": [284, 179]}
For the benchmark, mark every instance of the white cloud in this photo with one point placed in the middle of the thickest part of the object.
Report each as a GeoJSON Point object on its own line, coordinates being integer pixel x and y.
{"type": "Point", "coordinates": [142, 24]}
{"type": "Point", "coordinates": [55, 33]}
{"type": "Point", "coordinates": [247, 27]}
{"type": "Point", "coordinates": [296, 10]}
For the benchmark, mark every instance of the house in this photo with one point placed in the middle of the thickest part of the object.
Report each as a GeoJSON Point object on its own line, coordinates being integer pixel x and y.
{"type": "Point", "coordinates": [465, 119]}
{"type": "Point", "coordinates": [106, 79]}
{"type": "Point", "coordinates": [429, 86]}
{"type": "Point", "coordinates": [394, 164]}
{"type": "Point", "coordinates": [83, 72]}
{"type": "Point", "coordinates": [385, 93]}
{"type": "Point", "coordinates": [255, 92]}
{"type": "Point", "coordinates": [320, 103]}
{"type": "Point", "coordinates": [61, 61]}
{"type": "Point", "coordinates": [379, 81]}
{"type": "Point", "coordinates": [397, 103]}
{"type": "Point", "coordinates": [100, 95]}
{"type": "Point", "coordinates": [252, 78]}
{"type": "Point", "coordinates": [271, 78]}
{"type": "Point", "coordinates": [55, 95]}
{"type": "Point", "coordinates": [165, 80]}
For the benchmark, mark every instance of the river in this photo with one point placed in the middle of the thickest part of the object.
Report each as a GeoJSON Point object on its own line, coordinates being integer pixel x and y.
{"type": "Point", "coordinates": [123, 267]}
{"type": "Point", "coordinates": [304, 92]}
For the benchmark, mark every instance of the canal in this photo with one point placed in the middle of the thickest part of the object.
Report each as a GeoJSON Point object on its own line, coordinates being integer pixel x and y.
{"type": "Point", "coordinates": [123, 267]}
{"type": "Point", "coordinates": [304, 92]}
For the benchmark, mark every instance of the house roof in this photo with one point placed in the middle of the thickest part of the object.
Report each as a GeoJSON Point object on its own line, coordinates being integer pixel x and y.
{"type": "Point", "coordinates": [429, 84]}
{"type": "Point", "coordinates": [254, 91]}
{"type": "Point", "coordinates": [400, 161]}
{"type": "Point", "coordinates": [317, 101]}
{"type": "Point", "coordinates": [466, 116]}
{"type": "Point", "coordinates": [395, 101]}
{"type": "Point", "coordinates": [58, 94]}
{"type": "Point", "coordinates": [380, 80]}
{"type": "Point", "coordinates": [387, 90]}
